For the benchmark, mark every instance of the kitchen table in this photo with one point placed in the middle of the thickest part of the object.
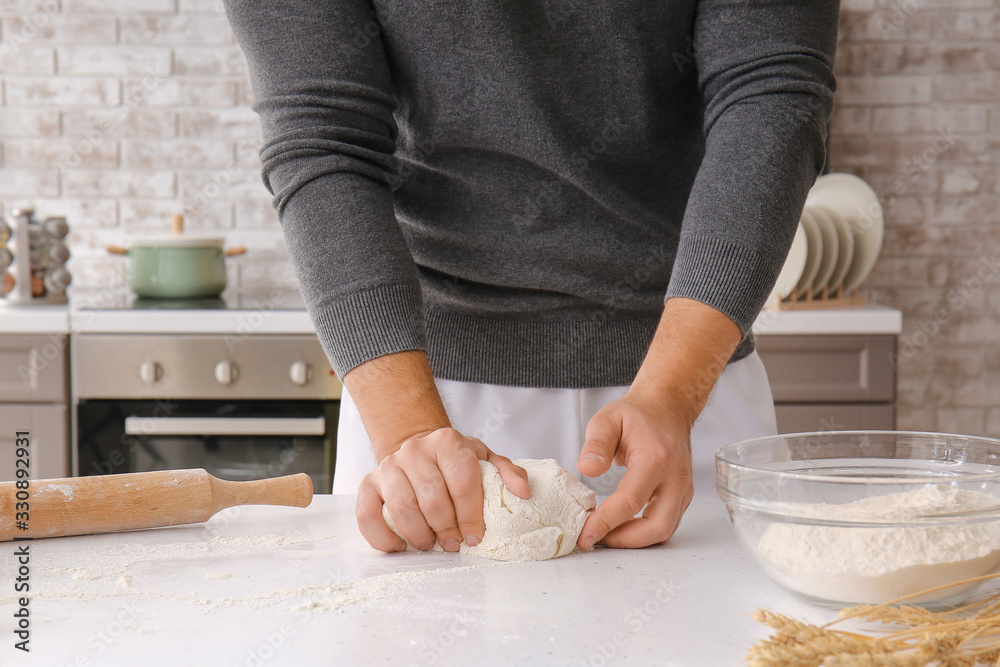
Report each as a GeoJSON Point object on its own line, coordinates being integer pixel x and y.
{"type": "Point", "coordinates": [281, 586]}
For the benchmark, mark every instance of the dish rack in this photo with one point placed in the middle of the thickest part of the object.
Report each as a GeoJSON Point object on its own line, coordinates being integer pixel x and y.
{"type": "Point", "coordinates": [33, 256]}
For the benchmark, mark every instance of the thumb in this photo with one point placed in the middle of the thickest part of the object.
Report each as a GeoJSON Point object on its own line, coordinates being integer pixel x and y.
{"type": "Point", "coordinates": [603, 434]}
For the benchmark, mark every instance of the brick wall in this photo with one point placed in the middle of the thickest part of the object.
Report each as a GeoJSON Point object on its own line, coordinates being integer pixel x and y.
{"type": "Point", "coordinates": [917, 116]}
{"type": "Point", "coordinates": [119, 114]}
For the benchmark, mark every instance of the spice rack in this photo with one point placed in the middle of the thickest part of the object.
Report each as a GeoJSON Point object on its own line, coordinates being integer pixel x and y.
{"type": "Point", "coordinates": [33, 258]}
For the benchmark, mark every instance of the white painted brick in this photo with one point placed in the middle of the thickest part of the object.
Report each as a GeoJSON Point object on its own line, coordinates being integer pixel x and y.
{"type": "Point", "coordinates": [21, 7]}
{"type": "Point", "coordinates": [153, 214]}
{"type": "Point", "coordinates": [121, 122]}
{"type": "Point", "coordinates": [118, 183]}
{"type": "Point", "coordinates": [29, 182]}
{"type": "Point", "coordinates": [29, 122]}
{"type": "Point", "coordinates": [927, 58]}
{"type": "Point", "coordinates": [180, 153]}
{"type": "Point", "coordinates": [197, 29]}
{"type": "Point", "coordinates": [245, 95]}
{"type": "Point", "coordinates": [120, 6]}
{"type": "Point", "coordinates": [969, 421]}
{"type": "Point", "coordinates": [95, 152]}
{"type": "Point", "coordinates": [63, 91]}
{"type": "Point", "coordinates": [850, 120]}
{"type": "Point", "coordinates": [177, 92]}
{"type": "Point", "coordinates": [255, 213]}
{"type": "Point", "coordinates": [960, 118]}
{"type": "Point", "coordinates": [210, 61]}
{"type": "Point", "coordinates": [99, 271]}
{"type": "Point", "coordinates": [960, 180]}
{"type": "Point", "coordinates": [236, 123]}
{"type": "Point", "coordinates": [971, 87]}
{"type": "Point", "coordinates": [201, 7]}
{"type": "Point", "coordinates": [231, 182]}
{"type": "Point", "coordinates": [116, 59]}
{"type": "Point", "coordinates": [80, 213]}
{"type": "Point", "coordinates": [881, 26]}
{"type": "Point", "coordinates": [265, 274]}
{"type": "Point", "coordinates": [62, 29]}
{"type": "Point", "coordinates": [968, 26]}
{"type": "Point", "coordinates": [15, 60]}
{"type": "Point", "coordinates": [883, 89]}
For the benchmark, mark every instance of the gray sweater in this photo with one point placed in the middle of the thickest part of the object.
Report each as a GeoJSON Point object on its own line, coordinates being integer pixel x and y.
{"type": "Point", "coordinates": [516, 186]}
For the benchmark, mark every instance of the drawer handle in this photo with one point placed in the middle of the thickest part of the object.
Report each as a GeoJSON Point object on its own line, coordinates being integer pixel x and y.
{"type": "Point", "coordinates": [135, 425]}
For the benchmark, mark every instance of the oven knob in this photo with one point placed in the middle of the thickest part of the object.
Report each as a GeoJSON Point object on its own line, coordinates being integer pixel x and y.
{"type": "Point", "coordinates": [150, 372]}
{"type": "Point", "coordinates": [225, 372]}
{"type": "Point", "coordinates": [299, 372]}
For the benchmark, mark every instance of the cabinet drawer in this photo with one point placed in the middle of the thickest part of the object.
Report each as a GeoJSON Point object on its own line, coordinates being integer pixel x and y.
{"type": "Point", "coordinates": [800, 418]}
{"type": "Point", "coordinates": [48, 426]}
{"type": "Point", "coordinates": [33, 369]}
{"type": "Point", "coordinates": [829, 369]}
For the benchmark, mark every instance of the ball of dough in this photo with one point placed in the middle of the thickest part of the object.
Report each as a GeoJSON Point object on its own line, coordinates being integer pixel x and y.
{"type": "Point", "coordinates": [544, 526]}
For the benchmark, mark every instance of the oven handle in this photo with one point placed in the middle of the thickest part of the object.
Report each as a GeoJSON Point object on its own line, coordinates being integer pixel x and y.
{"type": "Point", "coordinates": [225, 426]}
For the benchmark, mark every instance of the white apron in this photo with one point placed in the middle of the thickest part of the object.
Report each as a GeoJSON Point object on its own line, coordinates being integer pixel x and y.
{"type": "Point", "coordinates": [524, 422]}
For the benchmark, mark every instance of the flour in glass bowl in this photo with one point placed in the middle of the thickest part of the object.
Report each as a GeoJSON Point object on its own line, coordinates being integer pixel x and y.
{"type": "Point", "coordinates": [881, 563]}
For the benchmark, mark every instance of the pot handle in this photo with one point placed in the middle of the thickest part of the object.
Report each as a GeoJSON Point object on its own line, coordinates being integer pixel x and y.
{"type": "Point", "coordinates": [238, 250]}
{"type": "Point", "coordinates": [117, 250]}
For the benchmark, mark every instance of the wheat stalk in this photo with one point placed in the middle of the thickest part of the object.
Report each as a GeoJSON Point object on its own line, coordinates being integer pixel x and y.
{"type": "Point", "coordinates": [965, 636]}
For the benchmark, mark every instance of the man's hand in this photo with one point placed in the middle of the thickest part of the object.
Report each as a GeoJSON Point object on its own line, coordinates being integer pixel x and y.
{"type": "Point", "coordinates": [428, 475]}
{"type": "Point", "coordinates": [432, 487]}
{"type": "Point", "coordinates": [649, 429]}
{"type": "Point", "coordinates": [653, 442]}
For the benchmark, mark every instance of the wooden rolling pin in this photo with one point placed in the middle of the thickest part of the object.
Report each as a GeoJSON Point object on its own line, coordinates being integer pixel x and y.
{"type": "Point", "coordinates": [109, 503]}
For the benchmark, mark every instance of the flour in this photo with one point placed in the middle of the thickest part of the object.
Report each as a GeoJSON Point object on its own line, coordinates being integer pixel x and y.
{"type": "Point", "coordinates": [544, 526]}
{"type": "Point", "coordinates": [881, 563]}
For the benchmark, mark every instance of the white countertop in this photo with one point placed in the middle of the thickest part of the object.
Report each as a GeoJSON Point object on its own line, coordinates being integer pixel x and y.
{"type": "Point", "coordinates": [300, 587]}
{"type": "Point", "coordinates": [60, 319]}
{"type": "Point", "coordinates": [867, 320]}
{"type": "Point", "coordinates": [33, 319]}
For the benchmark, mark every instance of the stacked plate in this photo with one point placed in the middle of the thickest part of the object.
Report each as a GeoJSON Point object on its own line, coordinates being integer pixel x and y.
{"type": "Point", "coordinates": [837, 242]}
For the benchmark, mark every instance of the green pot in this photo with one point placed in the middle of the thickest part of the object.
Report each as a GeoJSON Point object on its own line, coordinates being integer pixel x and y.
{"type": "Point", "coordinates": [176, 267]}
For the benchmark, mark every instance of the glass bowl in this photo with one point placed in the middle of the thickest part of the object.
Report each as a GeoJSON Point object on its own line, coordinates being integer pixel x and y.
{"type": "Point", "coordinates": [866, 517]}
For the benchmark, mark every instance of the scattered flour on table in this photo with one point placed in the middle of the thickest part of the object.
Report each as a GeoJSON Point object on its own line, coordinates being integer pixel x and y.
{"type": "Point", "coordinates": [878, 564]}
{"type": "Point", "coordinates": [107, 562]}
{"type": "Point", "coordinates": [544, 526]}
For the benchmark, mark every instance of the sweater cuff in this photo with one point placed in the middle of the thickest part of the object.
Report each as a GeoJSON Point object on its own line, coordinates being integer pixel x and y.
{"type": "Point", "coordinates": [727, 276]}
{"type": "Point", "coordinates": [371, 324]}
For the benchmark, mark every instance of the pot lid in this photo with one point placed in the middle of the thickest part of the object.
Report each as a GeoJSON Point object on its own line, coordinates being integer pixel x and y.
{"type": "Point", "coordinates": [176, 241]}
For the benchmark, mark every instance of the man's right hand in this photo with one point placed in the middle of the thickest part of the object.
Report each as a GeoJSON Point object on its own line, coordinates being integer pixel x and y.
{"type": "Point", "coordinates": [428, 474]}
{"type": "Point", "coordinates": [432, 488]}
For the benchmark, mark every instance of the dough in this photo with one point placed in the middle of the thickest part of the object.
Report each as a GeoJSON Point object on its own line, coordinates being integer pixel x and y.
{"type": "Point", "coordinates": [544, 526]}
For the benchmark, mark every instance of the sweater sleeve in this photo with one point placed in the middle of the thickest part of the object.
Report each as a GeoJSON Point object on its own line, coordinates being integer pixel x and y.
{"type": "Point", "coordinates": [324, 96]}
{"type": "Point", "coordinates": [765, 69]}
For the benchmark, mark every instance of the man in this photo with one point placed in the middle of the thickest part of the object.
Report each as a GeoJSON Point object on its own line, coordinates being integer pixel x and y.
{"type": "Point", "coordinates": [561, 216]}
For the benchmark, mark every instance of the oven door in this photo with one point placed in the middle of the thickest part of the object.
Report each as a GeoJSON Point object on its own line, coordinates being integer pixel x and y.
{"type": "Point", "coordinates": [233, 440]}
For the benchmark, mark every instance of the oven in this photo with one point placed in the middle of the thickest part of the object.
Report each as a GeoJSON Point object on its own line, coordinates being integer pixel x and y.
{"type": "Point", "coordinates": [241, 408]}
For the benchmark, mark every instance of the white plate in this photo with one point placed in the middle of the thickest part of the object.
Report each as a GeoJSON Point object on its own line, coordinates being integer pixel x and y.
{"type": "Point", "coordinates": [845, 249]}
{"type": "Point", "coordinates": [794, 263]}
{"type": "Point", "coordinates": [857, 203]}
{"type": "Point", "coordinates": [830, 248]}
{"type": "Point", "coordinates": [814, 252]}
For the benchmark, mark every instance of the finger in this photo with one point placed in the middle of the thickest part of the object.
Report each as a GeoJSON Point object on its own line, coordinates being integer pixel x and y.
{"type": "Point", "coordinates": [459, 465]}
{"type": "Point", "coordinates": [368, 512]}
{"type": "Point", "coordinates": [658, 522]}
{"type": "Point", "coordinates": [401, 502]}
{"type": "Point", "coordinates": [514, 477]}
{"type": "Point", "coordinates": [434, 501]}
{"type": "Point", "coordinates": [634, 491]}
{"type": "Point", "coordinates": [604, 432]}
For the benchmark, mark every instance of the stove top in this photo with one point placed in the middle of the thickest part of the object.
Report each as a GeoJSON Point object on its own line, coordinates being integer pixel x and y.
{"type": "Point", "coordinates": [108, 299]}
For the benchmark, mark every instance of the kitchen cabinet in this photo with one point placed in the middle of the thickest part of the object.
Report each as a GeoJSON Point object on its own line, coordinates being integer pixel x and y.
{"type": "Point", "coordinates": [825, 383]}
{"type": "Point", "coordinates": [34, 396]}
